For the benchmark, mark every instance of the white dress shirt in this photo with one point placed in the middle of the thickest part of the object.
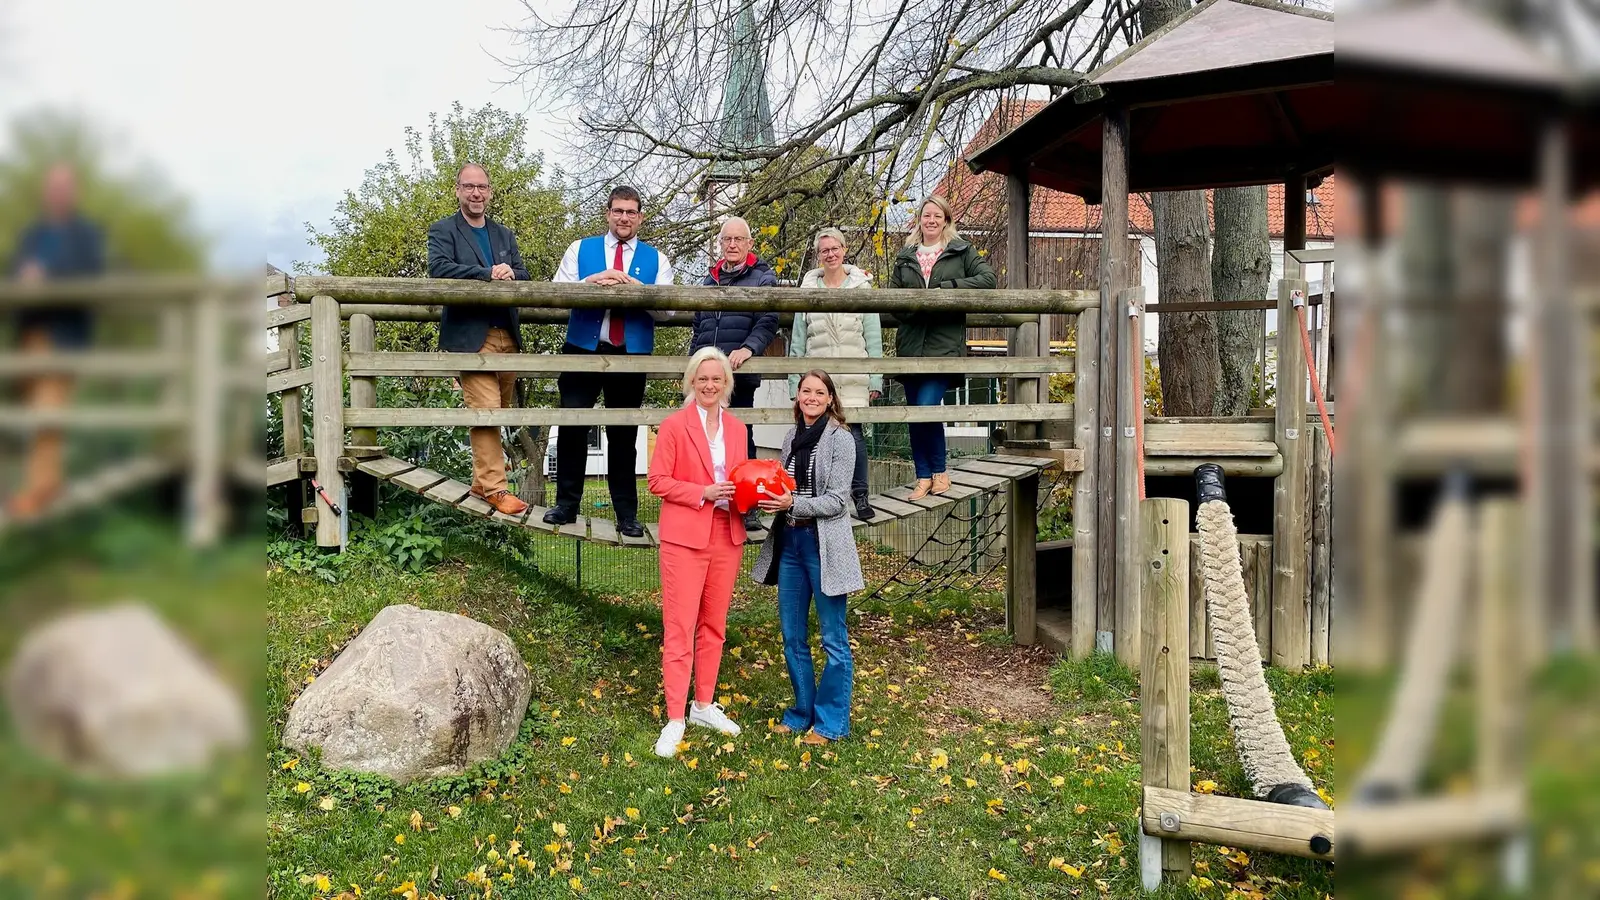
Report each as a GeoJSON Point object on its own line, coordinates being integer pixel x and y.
{"type": "Point", "coordinates": [568, 272]}
{"type": "Point", "coordinates": [719, 451]}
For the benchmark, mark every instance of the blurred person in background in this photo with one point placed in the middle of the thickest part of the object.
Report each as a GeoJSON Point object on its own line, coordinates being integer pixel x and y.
{"type": "Point", "coordinates": [60, 244]}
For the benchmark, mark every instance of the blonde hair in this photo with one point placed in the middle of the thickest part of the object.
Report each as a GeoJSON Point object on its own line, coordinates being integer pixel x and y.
{"type": "Point", "coordinates": [947, 235]}
{"type": "Point", "coordinates": [836, 234]}
{"type": "Point", "coordinates": [701, 356]}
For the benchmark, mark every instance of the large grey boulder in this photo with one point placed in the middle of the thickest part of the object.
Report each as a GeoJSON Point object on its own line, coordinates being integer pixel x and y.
{"type": "Point", "coordinates": [418, 694]}
{"type": "Point", "coordinates": [114, 692]}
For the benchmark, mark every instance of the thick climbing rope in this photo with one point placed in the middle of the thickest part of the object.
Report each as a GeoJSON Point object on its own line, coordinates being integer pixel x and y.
{"type": "Point", "coordinates": [1257, 735]}
{"type": "Point", "coordinates": [1311, 367]}
{"type": "Point", "coordinates": [1402, 752]}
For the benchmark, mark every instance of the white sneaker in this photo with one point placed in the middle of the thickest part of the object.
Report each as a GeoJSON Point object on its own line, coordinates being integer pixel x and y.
{"type": "Point", "coordinates": [712, 716]}
{"type": "Point", "coordinates": [667, 744]}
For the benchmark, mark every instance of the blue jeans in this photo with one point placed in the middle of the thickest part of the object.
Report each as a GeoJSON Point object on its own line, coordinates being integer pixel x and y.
{"type": "Point", "coordinates": [823, 705]}
{"type": "Point", "coordinates": [927, 438]}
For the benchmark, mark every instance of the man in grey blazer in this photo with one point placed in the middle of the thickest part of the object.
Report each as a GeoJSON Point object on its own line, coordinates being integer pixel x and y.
{"type": "Point", "coordinates": [470, 245]}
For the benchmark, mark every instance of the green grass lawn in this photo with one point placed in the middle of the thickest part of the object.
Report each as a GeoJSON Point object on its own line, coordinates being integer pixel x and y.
{"type": "Point", "coordinates": [976, 768]}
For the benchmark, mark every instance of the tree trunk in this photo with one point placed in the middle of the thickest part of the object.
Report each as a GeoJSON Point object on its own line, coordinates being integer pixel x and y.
{"type": "Point", "coordinates": [1188, 346]}
{"type": "Point", "coordinates": [1241, 269]}
{"type": "Point", "coordinates": [1427, 280]}
{"type": "Point", "coordinates": [1188, 341]}
{"type": "Point", "coordinates": [1476, 355]}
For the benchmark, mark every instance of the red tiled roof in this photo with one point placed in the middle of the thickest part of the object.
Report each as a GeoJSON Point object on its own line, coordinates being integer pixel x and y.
{"type": "Point", "coordinates": [979, 199]}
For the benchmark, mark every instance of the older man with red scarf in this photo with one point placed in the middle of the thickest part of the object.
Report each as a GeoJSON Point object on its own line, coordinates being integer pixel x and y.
{"type": "Point", "coordinates": [740, 335]}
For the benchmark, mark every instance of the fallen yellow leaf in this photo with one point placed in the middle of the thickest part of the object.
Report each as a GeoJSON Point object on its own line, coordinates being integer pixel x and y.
{"type": "Point", "coordinates": [997, 875]}
{"type": "Point", "coordinates": [454, 811]}
{"type": "Point", "coordinates": [301, 788]}
{"type": "Point", "coordinates": [1205, 786]}
{"type": "Point", "coordinates": [416, 820]}
{"type": "Point", "coordinates": [326, 804]}
{"type": "Point", "coordinates": [560, 828]}
{"type": "Point", "coordinates": [400, 838]}
{"type": "Point", "coordinates": [631, 813]}
{"type": "Point", "coordinates": [322, 882]}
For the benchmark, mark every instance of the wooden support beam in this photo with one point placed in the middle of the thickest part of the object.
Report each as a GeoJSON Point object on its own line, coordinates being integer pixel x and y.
{"type": "Point", "coordinates": [1114, 271]}
{"type": "Point", "coordinates": [1026, 339]}
{"type": "Point", "coordinates": [1321, 546]}
{"type": "Point", "coordinates": [1130, 409]}
{"type": "Point", "coordinates": [452, 418]}
{"type": "Point", "coordinates": [364, 389]}
{"type": "Point", "coordinates": [328, 422]}
{"type": "Point", "coordinates": [687, 298]}
{"type": "Point", "coordinates": [1291, 620]}
{"type": "Point", "coordinates": [1179, 815]}
{"type": "Point", "coordinates": [206, 511]}
{"type": "Point", "coordinates": [1085, 499]}
{"type": "Point", "coordinates": [1163, 559]}
{"type": "Point", "coordinates": [449, 365]}
{"type": "Point", "coordinates": [544, 315]}
{"type": "Point", "coordinates": [288, 315]}
{"type": "Point", "coordinates": [1412, 824]}
{"type": "Point", "coordinates": [1022, 545]}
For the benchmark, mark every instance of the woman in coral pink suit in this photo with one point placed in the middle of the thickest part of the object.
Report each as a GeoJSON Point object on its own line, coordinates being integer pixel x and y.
{"type": "Point", "coordinates": [702, 542]}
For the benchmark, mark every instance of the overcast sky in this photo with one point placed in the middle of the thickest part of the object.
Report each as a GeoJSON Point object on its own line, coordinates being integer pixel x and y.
{"type": "Point", "coordinates": [261, 114]}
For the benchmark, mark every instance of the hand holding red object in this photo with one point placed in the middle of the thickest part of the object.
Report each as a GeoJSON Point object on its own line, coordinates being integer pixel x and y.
{"type": "Point", "coordinates": [754, 479]}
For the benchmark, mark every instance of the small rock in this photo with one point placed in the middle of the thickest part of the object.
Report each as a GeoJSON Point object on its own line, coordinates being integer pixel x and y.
{"type": "Point", "coordinates": [418, 694]}
{"type": "Point", "coordinates": [115, 692]}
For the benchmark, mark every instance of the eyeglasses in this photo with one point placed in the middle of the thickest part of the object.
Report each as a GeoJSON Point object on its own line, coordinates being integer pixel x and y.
{"type": "Point", "coordinates": [829, 251]}
{"type": "Point", "coordinates": [472, 187]}
{"type": "Point", "coordinates": [624, 213]}
{"type": "Point", "coordinates": [733, 239]}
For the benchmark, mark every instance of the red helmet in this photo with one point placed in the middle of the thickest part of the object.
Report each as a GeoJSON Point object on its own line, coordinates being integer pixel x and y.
{"type": "Point", "coordinates": [757, 478]}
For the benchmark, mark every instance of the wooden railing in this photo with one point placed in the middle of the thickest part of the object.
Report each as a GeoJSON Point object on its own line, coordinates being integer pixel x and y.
{"type": "Point", "coordinates": [323, 302]}
{"type": "Point", "coordinates": [183, 336]}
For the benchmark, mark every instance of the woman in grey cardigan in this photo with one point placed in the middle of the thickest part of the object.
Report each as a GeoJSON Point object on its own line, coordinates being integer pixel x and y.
{"type": "Point", "coordinates": [810, 555]}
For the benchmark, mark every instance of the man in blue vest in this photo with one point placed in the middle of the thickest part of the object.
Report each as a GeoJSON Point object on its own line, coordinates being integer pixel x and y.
{"type": "Point", "coordinates": [472, 246]}
{"type": "Point", "coordinates": [616, 257]}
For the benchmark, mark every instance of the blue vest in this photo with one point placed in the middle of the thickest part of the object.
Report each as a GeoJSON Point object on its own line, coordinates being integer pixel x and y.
{"type": "Point", "coordinates": [638, 328]}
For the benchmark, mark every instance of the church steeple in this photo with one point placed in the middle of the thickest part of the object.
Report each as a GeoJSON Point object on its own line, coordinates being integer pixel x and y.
{"type": "Point", "coordinates": [746, 111]}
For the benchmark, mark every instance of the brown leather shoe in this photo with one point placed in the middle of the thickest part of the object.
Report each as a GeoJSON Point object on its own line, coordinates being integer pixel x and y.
{"type": "Point", "coordinates": [781, 728]}
{"type": "Point", "coordinates": [812, 739]}
{"type": "Point", "coordinates": [504, 501]}
{"type": "Point", "coordinates": [31, 503]}
{"type": "Point", "coordinates": [941, 482]}
{"type": "Point", "coordinates": [922, 489]}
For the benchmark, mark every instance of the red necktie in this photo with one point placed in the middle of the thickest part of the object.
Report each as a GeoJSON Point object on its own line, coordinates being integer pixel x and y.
{"type": "Point", "coordinates": [617, 339]}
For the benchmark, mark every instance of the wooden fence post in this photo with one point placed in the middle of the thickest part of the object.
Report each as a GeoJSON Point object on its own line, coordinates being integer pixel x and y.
{"type": "Point", "coordinates": [1085, 497]}
{"type": "Point", "coordinates": [1291, 632]}
{"type": "Point", "coordinates": [1130, 409]}
{"type": "Point", "coordinates": [205, 501]}
{"type": "Point", "coordinates": [1321, 546]}
{"type": "Point", "coordinates": [1022, 551]}
{"type": "Point", "coordinates": [327, 433]}
{"type": "Point", "coordinates": [1114, 276]}
{"type": "Point", "coordinates": [363, 488]}
{"type": "Point", "coordinates": [1163, 558]}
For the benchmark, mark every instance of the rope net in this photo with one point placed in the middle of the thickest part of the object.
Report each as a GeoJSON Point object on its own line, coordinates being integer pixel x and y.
{"type": "Point", "coordinates": [953, 557]}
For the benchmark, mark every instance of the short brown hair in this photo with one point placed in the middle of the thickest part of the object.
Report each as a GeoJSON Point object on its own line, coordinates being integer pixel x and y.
{"type": "Point", "coordinates": [624, 192]}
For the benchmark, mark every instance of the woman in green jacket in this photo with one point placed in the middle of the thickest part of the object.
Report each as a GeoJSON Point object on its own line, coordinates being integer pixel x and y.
{"type": "Point", "coordinates": [934, 257]}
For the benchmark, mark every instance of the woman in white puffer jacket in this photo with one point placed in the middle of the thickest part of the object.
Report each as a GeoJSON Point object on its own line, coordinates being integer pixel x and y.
{"type": "Point", "coordinates": [850, 335]}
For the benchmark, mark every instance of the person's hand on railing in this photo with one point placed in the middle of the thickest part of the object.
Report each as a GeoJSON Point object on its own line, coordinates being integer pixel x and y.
{"type": "Point", "coordinates": [610, 277]}
{"type": "Point", "coordinates": [502, 272]}
{"type": "Point", "coordinates": [32, 272]}
{"type": "Point", "coordinates": [738, 357]}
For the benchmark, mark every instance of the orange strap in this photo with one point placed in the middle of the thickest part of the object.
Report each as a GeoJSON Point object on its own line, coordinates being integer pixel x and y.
{"type": "Point", "coordinates": [1316, 384]}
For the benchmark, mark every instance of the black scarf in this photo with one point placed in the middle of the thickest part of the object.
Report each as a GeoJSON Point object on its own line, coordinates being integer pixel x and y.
{"type": "Point", "coordinates": [801, 451]}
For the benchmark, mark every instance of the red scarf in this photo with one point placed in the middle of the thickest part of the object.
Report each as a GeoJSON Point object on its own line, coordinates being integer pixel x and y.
{"type": "Point", "coordinates": [716, 270]}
